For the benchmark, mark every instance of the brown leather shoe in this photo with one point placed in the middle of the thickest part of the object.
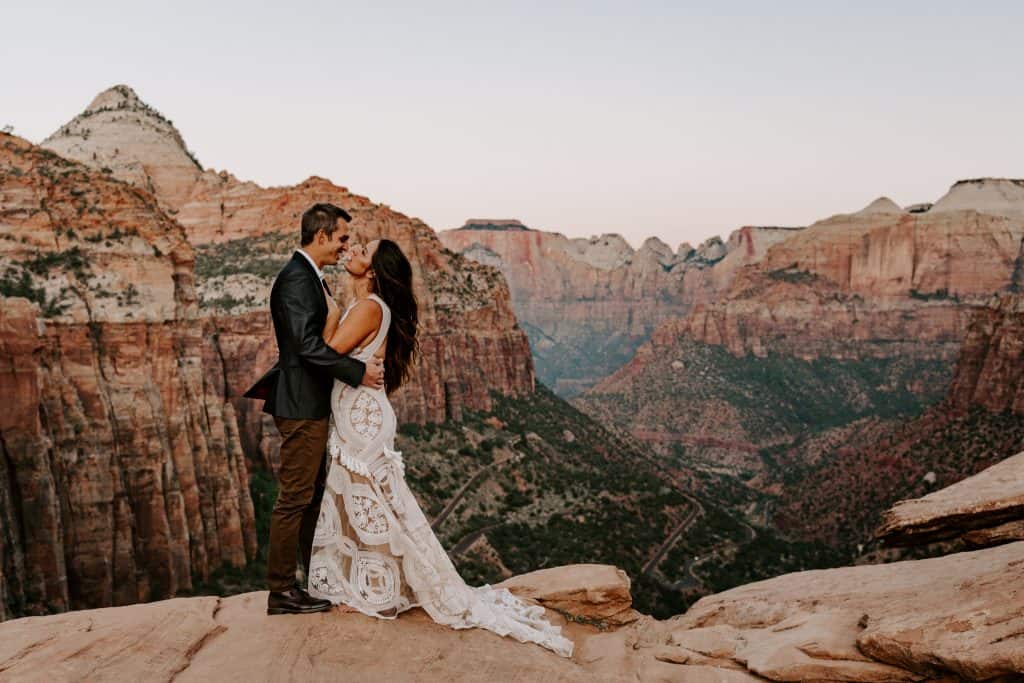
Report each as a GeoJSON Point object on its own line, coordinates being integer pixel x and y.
{"type": "Point", "coordinates": [295, 601]}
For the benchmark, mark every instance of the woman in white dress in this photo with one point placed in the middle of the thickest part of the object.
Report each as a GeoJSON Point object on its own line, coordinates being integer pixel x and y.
{"type": "Point", "coordinates": [374, 550]}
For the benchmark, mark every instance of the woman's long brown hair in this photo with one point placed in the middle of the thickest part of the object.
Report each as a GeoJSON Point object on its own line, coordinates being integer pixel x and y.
{"type": "Point", "coordinates": [393, 283]}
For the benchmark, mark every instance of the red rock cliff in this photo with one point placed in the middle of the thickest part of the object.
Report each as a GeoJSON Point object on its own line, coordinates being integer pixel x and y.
{"type": "Point", "coordinates": [470, 341]}
{"type": "Point", "coordinates": [589, 302]}
{"type": "Point", "coordinates": [880, 281]}
{"type": "Point", "coordinates": [123, 475]}
{"type": "Point", "coordinates": [990, 372]}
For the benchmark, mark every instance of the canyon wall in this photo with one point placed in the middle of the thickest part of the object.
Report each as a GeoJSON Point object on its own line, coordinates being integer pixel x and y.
{"type": "Point", "coordinates": [879, 281]}
{"type": "Point", "coordinates": [470, 341]}
{"type": "Point", "coordinates": [990, 372]}
{"type": "Point", "coordinates": [588, 303]}
{"type": "Point", "coordinates": [135, 289]}
{"type": "Point", "coordinates": [978, 423]}
{"type": "Point", "coordinates": [857, 320]}
{"type": "Point", "coordinates": [123, 477]}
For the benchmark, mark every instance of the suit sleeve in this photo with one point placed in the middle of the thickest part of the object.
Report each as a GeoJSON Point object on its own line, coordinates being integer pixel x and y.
{"type": "Point", "coordinates": [293, 298]}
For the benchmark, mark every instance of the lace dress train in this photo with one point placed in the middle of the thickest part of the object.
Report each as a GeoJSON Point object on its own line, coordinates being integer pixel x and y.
{"type": "Point", "coordinates": [374, 549]}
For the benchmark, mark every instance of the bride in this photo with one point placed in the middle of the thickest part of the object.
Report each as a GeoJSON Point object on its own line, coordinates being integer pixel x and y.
{"type": "Point", "coordinates": [374, 550]}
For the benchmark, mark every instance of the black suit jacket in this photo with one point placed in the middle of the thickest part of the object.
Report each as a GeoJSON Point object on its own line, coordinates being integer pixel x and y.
{"type": "Point", "coordinates": [299, 385]}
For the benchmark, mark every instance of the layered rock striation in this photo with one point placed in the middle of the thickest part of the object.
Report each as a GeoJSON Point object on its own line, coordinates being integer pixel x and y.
{"type": "Point", "coordinates": [905, 621]}
{"type": "Point", "coordinates": [470, 341]}
{"type": "Point", "coordinates": [587, 303]}
{"type": "Point", "coordinates": [122, 476]}
{"type": "Point", "coordinates": [985, 509]}
{"type": "Point", "coordinates": [863, 315]}
{"type": "Point", "coordinates": [990, 372]}
{"type": "Point", "coordinates": [977, 424]}
{"type": "Point", "coordinates": [947, 618]}
{"type": "Point", "coordinates": [879, 281]}
{"type": "Point", "coordinates": [130, 140]}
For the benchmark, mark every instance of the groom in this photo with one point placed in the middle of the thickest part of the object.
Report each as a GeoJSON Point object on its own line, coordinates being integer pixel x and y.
{"type": "Point", "coordinates": [297, 392]}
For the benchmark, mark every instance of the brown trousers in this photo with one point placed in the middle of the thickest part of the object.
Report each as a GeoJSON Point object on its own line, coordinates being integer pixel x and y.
{"type": "Point", "coordinates": [301, 479]}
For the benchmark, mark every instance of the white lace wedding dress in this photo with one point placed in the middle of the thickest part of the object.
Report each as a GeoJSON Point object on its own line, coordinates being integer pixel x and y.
{"type": "Point", "coordinates": [374, 549]}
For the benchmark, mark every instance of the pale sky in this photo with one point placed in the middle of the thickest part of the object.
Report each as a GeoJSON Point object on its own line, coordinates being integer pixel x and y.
{"type": "Point", "coordinates": [681, 120]}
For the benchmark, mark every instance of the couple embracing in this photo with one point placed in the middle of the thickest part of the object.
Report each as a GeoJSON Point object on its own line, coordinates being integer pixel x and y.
{"type": "Point", "coordinates": [343, 501]}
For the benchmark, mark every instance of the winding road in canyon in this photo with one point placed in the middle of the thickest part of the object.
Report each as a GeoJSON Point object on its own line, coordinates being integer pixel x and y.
{"type": "Point", "coordinates": [696, 510]}
{"type": "Point", "coordinates": [480, 475]}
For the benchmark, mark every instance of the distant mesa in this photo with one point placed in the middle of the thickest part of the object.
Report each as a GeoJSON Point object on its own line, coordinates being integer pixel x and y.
{"type": "Point", "coordinates": [923, 207]}
{"type": "Point", "coordinates": [506, 224]}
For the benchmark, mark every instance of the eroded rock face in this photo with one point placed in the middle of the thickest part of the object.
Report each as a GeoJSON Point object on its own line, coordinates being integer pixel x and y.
{"type": "Point", "coordinates": [589, 302]}
{"type": "Point", "coordinates": [990, 372]}
{"type": "Point", "coordinates": [232, 638]}
{"type": "Point", "coordinates": [124, 478]}
{"type": "Point", "coordinates": [875, 278]}
{"type": "Point", "coordinates": [943, 618]}
{"type": "Point", "coordinates": [593, 593]}
{"type": "Point", "coordinates": [893, 292]}
{"type": "Point", "coordinates": [123, 134]}
{"type": "Point", "coordinates": [985, 509]}
{"type": "Point", "coordinates": [911, 620]}
{"type": "Point", "coordinates": [470, 341]}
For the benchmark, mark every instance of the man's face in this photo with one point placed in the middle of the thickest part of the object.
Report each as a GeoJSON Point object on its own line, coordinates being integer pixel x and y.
{"type": "Point", "coordinates": [335, 245]}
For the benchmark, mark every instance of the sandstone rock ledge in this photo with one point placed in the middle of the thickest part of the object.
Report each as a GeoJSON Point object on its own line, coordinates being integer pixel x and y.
{"type": "Point", "coordinates": [985, 509]}
{"type": "Point", "coordinates": [959, 616]}
{"type": "Point", "coordinates": [950, 618]}
{"type": "Point", "coordinates": [232, 639]}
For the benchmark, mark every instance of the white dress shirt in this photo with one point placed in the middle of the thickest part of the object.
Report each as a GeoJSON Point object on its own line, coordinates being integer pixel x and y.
{"type": "Point", "coordinates": [319, 273]}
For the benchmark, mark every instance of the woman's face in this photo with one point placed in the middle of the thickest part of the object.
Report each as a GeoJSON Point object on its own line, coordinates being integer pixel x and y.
{"type": "Point", "coordinates": [360, 257]}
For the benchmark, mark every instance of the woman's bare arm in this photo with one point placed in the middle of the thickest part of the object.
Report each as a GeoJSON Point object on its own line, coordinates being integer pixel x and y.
{"type": "Point", "coordinates": [359, 326]}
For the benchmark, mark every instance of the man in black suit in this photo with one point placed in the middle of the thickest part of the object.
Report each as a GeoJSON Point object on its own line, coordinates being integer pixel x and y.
{"type": "Point", "coordinates": [297, 392]}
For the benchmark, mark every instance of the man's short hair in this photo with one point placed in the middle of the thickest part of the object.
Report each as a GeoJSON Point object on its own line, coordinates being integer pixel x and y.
{"type": "Point", "coordinates": [321, 216]}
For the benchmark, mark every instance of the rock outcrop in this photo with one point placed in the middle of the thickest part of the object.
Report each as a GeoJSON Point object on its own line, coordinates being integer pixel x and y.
{"type": "Point", "coordinates": [587, 303]}
{"type": "Point", "coordinates": [990, 371]}
{"type": "Point", "coordinates": [882, 205]}
{"type": "Point", "coordinates": [886, 294]}
{"type": "Point", "coordinates": [948, 618]}
{"type": "Point", "coordinates": [986, 509]}
{"type": "Point", "coordinates": [958, 616]}
{"type": "Point", "coordinates": [874, 280]}
{"type": "Point", "coordinates": [213, 638]}
{"type": "Point", "coordinates": [591, 593]}
{"type": "Point", "coordinates": [122, 476]}
{"type": "Point", "coordinates": [904, 621]}
{"type": "Point", "coordinates": [132, 141]}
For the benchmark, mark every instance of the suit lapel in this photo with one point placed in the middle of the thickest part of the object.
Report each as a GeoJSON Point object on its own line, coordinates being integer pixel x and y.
{"type": "Point", "coordinates": [320, 285]}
